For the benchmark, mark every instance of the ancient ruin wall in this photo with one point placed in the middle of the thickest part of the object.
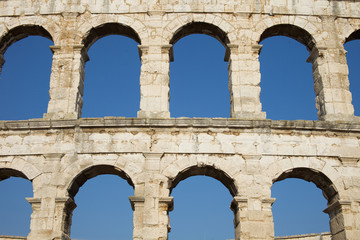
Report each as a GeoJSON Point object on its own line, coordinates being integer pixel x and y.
{"type": "Point", "coordinates": [154, 152]}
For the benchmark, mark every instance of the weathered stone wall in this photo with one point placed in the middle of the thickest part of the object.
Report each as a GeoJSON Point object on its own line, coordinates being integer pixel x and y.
{"type": "Point", "coordinates": [154, 155]}
{"type": "Point", "coordinates": [322, 26]}
{"type": "Point", "coordinates": [153, 152]}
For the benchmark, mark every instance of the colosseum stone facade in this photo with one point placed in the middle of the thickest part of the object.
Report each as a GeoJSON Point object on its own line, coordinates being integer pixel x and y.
{"type": "Point", "coordinates": [154, 152]}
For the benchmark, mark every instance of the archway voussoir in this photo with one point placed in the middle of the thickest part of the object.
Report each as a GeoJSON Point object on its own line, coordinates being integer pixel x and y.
{"type": "Point", "coordinates": [198, 17]}
{"type": "Point", "coordinates": [12, 23]}
{"type": "Point", "coordinates": [209, 18]}
{"type": "Point", "coordinates": [300, 162]}
{"type": "Point", "coordinates": [268, 22]}
{"type": "Point", "coordinates": [300, 22]}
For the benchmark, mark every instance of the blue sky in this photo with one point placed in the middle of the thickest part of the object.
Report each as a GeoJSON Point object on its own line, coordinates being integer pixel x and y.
{"type": "Point", "coordinates": [199, 88]}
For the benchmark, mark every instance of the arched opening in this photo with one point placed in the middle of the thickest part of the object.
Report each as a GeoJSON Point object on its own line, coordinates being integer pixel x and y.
{"type": "Point", "coordinates": [209, 171]}
{"type": "Point", "coordinates": [199, 75]}
{"type": "Point", "coordinates": [352, 46]}
{"type": "Point", "coordinates": [287, 90]}
{"type": "Point", "coordinates": [25, 72]}
{"type": "Point", "coordinates": [206, 214]}
{"type": "Point", "coordinates": [299, 204]}
{"type": "Point", "coordinates": [15, 211]}
{"type": "Point", "coordinates": [113, 72]}
{"type": "Point", "coordinates": [103, 210]}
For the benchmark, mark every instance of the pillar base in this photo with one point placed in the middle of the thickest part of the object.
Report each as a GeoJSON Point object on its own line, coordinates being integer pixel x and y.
{"type": "Point", "coordinates": [60, 115]}
{"type": "Point", "coordinates": [340, 117]}
{"type": "Point", "coordinates": [148, 114]}
{"type": "Point", "coordinates": [249, 115]}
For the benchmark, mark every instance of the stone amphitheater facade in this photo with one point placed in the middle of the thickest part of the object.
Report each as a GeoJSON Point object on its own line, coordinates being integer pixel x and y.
{"type": "Point", "coordinates": [154, 152]}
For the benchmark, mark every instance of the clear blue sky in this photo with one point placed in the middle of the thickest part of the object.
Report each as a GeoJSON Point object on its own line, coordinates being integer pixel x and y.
{"type": "Point", "coordinates": [199, 88]}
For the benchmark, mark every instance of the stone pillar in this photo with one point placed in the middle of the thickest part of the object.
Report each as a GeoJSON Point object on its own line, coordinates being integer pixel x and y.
{"type": "Point", "coordinates": [51, 218]}
{"type": "Point", "coordinates": [154, 81]}
{"type": "Point", "coordinates": [66, 82]}
{"type": "Point", "coordinates": [151, 203]}
{"type": "Point", "coordinates": [137, 205]}
{"type": "Point", "coordinates": [253, 218]}
{"type": "Point", "coordinates": [37, 223]}
{"type": "Point", "coordinates": [331, 84]}
{"type": "Point", "coordinates": [344, 220]}
{"type": "Point", "coordinates": [244, 81]}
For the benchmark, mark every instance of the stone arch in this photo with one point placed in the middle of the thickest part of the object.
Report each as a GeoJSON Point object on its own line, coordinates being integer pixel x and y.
{"type": "Point", "coordinates": [205, 170]}
{"type": "Point", "coordinates": [311, 175]}
{"type": "Point", "coordinates": [23, 211]}
{"type": "Point", "coordinates": [311, 170]}
{"type": "Point", "coordinates": [83, 176]}
{"type": "Point", "coordinates": [17, 33]}
{"type": "Point", "coordinates": [304, 33]}
{"type": "Point", "coordinates": [216, 32]}
{"type": "Point", "coordinates": [93, 28]}
{"type": "Point", "coordinates": [18, 167]}
{"type": "Point", "coordinates": [201, 28]}
{"type": "Point", "coordinates": [208, 24]}
{"type": "Point", "coordinates": [106, 29]}
{"type": "Point", "coordinates": [22, 31]}
{"type": "Point", "coordinates": [303, 23]}
{"type": "Point", "coordinates": [331, 191]}
{"type": "Point", "coordinates": [353, 36]}
{"type": "Point", "coordinates": [93, 171]}
{"type": "Point", "coordinates": [351, 65]}
{"type": "Point", "coordinates": [288, 30]}
{"type": "Point", "coordinates": [6, 173]}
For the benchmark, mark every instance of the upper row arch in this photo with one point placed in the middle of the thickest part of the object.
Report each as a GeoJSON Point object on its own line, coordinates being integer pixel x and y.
{"type": "Point", "coordinates": [100, 26]}
{"type": "Point", "coordinates": [97, 27]}
{"type": "Point", "coordinates": [212, 25]}
{"type": "Point", "coordinates": [19, 32]}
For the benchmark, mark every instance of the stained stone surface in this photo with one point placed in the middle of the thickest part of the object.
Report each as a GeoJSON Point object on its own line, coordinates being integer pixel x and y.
{"type": "Point", "coordinates": [154, 152]}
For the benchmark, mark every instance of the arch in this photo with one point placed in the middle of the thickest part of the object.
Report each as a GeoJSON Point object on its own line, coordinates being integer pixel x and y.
{"type": "Point", "coordinates": [19, 32]}
{"type": "Point", "coordinates": [292, 31]}
{"type": "Point", "coordinates": [352, 48]}
{"type": "Point", "coordinates": [92, 172]}
{"type": "Point", "coordinates": [208, 24]}
{"type": "Point", "coordinates": [106, 29]}
{"type": "Point", "coordinates": [353, 36]}
{"type": "Point", "coordinates": [106, 197]}
{"type": "Point", "coordinates": [111, 24]}
{"type": "Point", "coordinates": [6, 173]}
{"type": "Point", "coordinates": [205, 170]}
{"type": "Point", "coordinates": [19, 167]}
{"type": "Point", "coordinates": [311, 175]}
{"type": "Point", "coordinates": [15, 210]}
{"type": "Point", "coordinates": [120, 73]}
{"type": "Point", "coordinates": [200, 28]}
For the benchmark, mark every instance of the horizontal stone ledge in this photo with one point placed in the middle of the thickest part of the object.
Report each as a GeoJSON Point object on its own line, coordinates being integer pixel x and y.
{"type": "Point", "coordinates": [7, 237]}
{"type": "Point", "coordinates": [108, 122]}
{"type": "Point", "coordinates": [305, 236]}
{"type": "Point", "coordinates": [153, 9]}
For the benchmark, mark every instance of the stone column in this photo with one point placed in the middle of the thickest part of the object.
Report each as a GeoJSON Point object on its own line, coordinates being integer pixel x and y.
{"type": "Point", "coordinates": [253, 218]}
{"type": "Point", "coordinates": [154, 81]}
{"type": "Point", "coordinates": [66, 82]}
{"type": "Point", "coordinates": [37, 224]}
{"type": "Point", "coordinates": [151, 202]}
{"type": "Point", "coordinates": [344, 220]}
{"type": "Point", "coordinates": [244, 81]}
{"type": "Point", "coordinates": [51, 218]}
{"type": "Point", "coordinates": [137, 205]}
{"type": "Point", "coordinates": [331, 84]}
{"type": "Point", "coordinates": [141, 225]}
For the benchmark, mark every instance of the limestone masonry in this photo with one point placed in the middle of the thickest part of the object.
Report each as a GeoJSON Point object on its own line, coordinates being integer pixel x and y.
{"type": "Point", "coordinates": [154, 152]}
